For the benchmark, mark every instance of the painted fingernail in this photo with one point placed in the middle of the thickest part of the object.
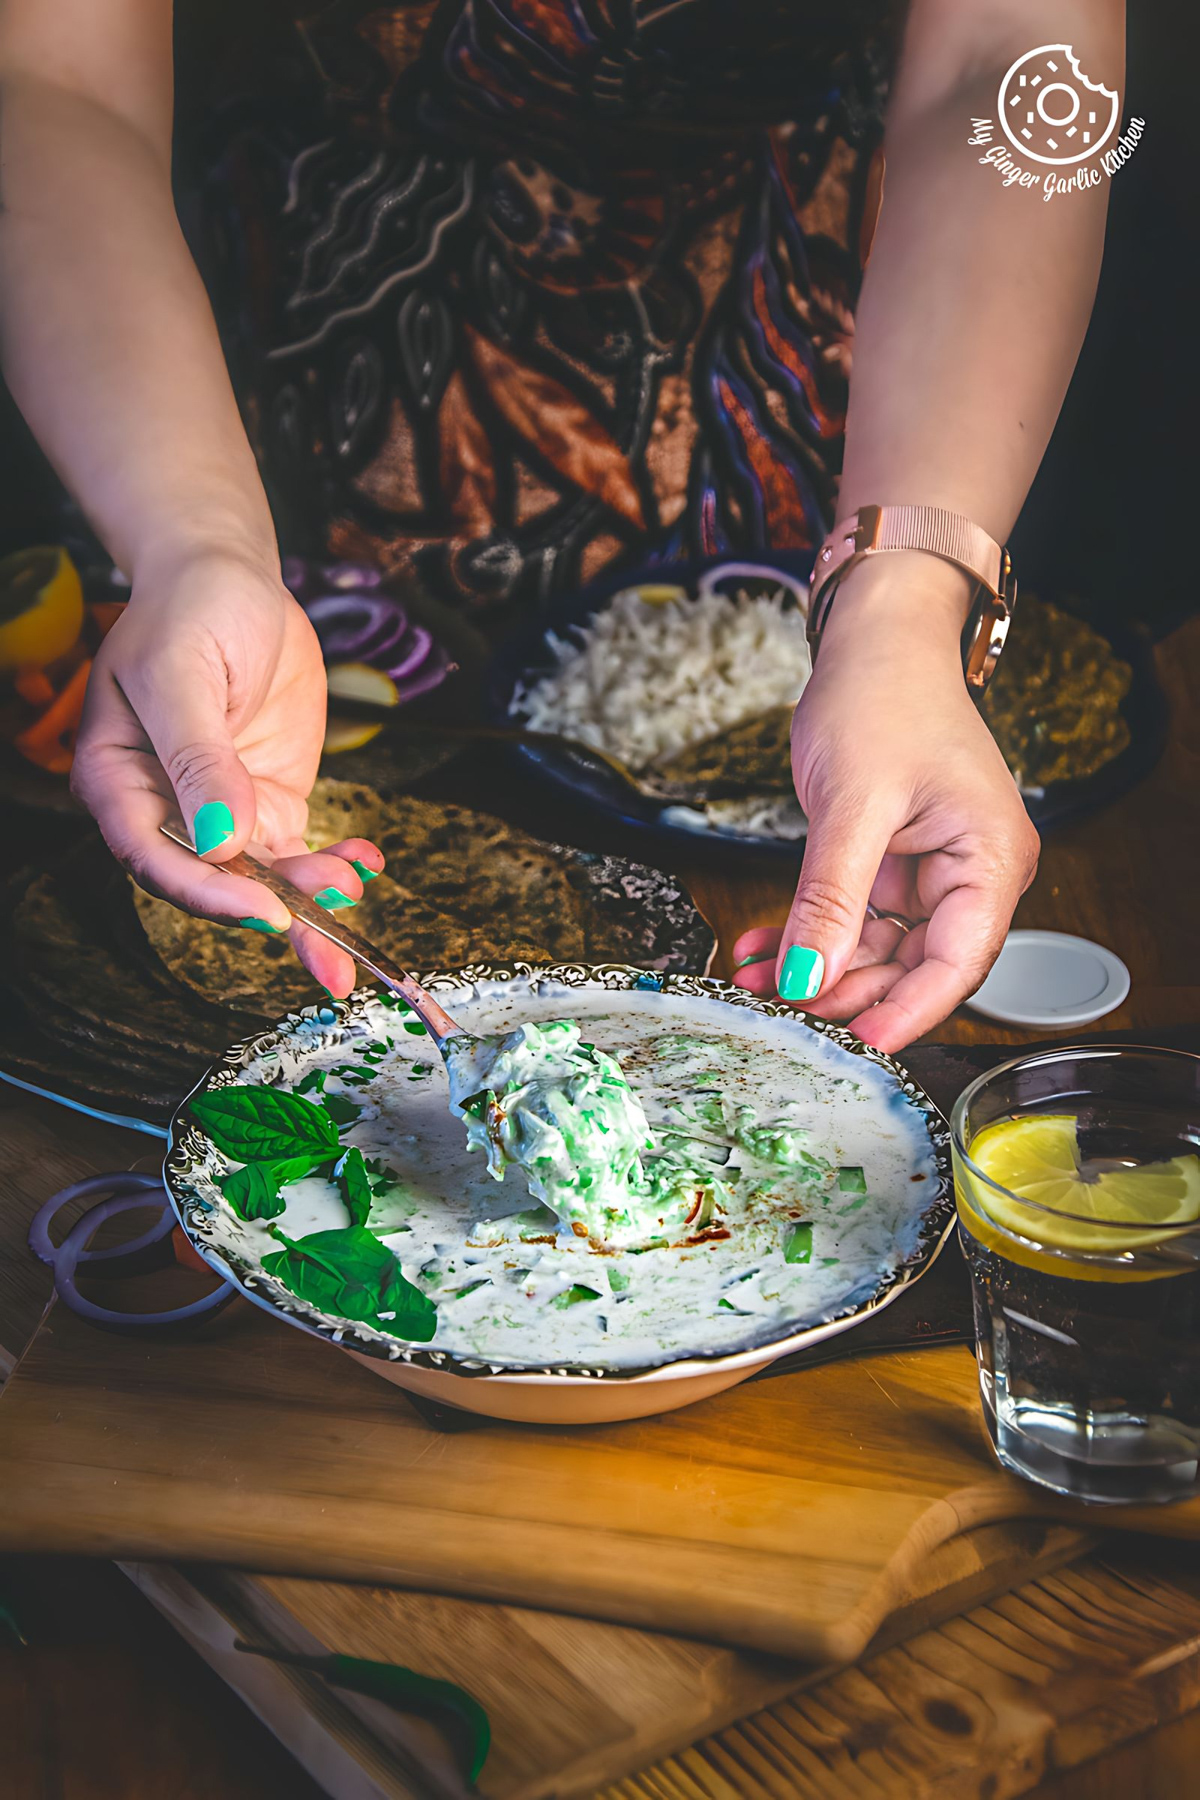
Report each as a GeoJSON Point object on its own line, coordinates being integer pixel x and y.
{"type": "Point", "coordinates": [212, 827]}
{"type": "Point", "coordinates": [331, 898]}
{"type": "Point", "coordinates": [362, 871]}
{"type": "Point", "coordinates": [263, 925]}
{"type": "Point", "coordinates": [803, 973]}
{"type": "Point", "coordinates": [762, 956]}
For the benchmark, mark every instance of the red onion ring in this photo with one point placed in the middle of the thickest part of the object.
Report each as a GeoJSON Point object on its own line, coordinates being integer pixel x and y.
{"type": "Point", "coordinates": [47, 1251]}
{"type": "Point", "coordinates": [127, 1193]}
{"type": "Point", "coordinates": [422, 683]}
{"type": "Point", "coordinates": [357, 627]}
{"type": "Point", "coordinates": [420, 643]}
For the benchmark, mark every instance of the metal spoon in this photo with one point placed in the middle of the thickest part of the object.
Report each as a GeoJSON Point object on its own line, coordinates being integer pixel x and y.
{"type": "Point", "coordinates": [436, 1019]}
{"type": "Point", "coordinates": [661, 790]}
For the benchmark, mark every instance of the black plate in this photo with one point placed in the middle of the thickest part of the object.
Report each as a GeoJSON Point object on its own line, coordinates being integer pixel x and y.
{"type": "Point", "coordinates": [1144, 709]}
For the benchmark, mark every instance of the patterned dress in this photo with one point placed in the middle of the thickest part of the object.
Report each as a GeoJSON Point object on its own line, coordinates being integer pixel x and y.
{"type": "Point", "coordinates": [512, 289]}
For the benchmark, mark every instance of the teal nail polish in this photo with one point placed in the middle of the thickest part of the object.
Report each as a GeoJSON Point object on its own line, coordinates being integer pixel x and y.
{"type": "Point", "coordinates": [762, 956]}
{"type": "Point", "coordinates": [362, 871]}
{"type": "Point", "coordinates": [212, 827]}
{"type": "Point", "coordinates": [803, 973]}
{"type": "Point", "coordinates": [263, 925]}
{"type": "Point", "coordinates": [331, 898]}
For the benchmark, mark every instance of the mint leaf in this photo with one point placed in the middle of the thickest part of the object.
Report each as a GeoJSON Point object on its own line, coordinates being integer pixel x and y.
{"type": "Point", "coordinates": [851, 1181]}
{"type": "Point", "coordinates": [351, 1274]}
{"type": "Point", "coordinates": [355, 1184]}
{"type": "Point", "coordinates": [382, 1177]}
{"type": "Point", "coordinates": [314, 1081]}
{"type": "Point", "coordinates": [261, 1124]}
{"type": "Point", "coordinates": [341, 1110]}
{"type": "Point", "coordinates": [798, 1248]}
{"type": "Point", "coordinates": [253, 1192]}
{"type": "Point", "coordinates": [457, 1713]}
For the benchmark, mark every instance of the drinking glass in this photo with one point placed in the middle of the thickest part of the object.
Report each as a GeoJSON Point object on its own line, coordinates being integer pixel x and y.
{"type": "Point", "coordinates": [1088, 1327]}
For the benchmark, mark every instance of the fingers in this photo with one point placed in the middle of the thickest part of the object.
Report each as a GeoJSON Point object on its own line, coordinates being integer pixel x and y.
{"type": "Point", "coordinates": [327, 877]}
{"type": "Point", "coordinates": [961, 942]}
{"type": "Point", "coordinates": [180, 718]}
{"type": "Point", "coordinates": [884, 956]}
{"type": "Point", "coordinates": [117, 777]}
{"type": "Point", "coordinates": [756, 948]}
{"type": "Point", "coordinates": [841, 861]}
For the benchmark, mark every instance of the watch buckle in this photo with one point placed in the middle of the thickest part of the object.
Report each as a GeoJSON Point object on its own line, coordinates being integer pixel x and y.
{"type": "Point", "coordinates": [991, 626]}
{"type": "Point", "coordinates": [865, 535]}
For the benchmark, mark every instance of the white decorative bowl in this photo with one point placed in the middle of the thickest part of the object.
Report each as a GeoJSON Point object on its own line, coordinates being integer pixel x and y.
{"type": "Point", "coordinates": [913, 1219]}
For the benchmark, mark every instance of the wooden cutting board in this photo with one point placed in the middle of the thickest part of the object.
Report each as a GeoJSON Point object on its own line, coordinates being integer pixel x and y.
{"type": "Point", "coordinates": [786, 1516]}
{"type": "Point", "coordinates": [981, 1705]}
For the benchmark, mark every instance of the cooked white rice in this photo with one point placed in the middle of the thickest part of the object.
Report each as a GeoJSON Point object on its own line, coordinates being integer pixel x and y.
{"type": "Point", "coordinates": [642, 680]}
{"type": "Point", "coordinates": [755, 816]}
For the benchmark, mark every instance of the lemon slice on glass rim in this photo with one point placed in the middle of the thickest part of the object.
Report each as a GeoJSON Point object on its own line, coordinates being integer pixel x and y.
{"type": "Point", "coordinates": [1035, 1160]}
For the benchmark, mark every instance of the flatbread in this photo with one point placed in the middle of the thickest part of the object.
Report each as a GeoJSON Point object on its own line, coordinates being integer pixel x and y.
{"type": "Point", "coordinates": [57, 970]}
{"type": "Point", "coordinates": [460, 887]}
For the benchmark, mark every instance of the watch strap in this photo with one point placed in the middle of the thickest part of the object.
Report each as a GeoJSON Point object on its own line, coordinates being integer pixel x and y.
{"type": "Point", "coordinates": [948, 535]}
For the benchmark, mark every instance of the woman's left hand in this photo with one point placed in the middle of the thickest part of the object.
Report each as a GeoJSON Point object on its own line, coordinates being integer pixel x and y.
{"type": "Point", "coordinates": [910, 806]}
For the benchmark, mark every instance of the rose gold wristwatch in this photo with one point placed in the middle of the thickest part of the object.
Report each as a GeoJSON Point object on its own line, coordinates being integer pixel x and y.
{"type": "Point", "coordinates": [956, 540]}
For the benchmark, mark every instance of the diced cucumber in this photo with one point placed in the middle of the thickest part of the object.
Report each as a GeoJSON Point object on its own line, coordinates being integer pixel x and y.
{"type": "Point", "coordinates": [798, 1248]}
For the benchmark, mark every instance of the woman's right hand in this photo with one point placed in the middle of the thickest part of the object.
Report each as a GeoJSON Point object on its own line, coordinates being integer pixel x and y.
{"type": "Point", "coordinates": [209, 694]}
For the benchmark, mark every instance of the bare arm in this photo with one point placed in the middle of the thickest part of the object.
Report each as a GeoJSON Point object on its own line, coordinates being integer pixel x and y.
{"type": "Point", "coordinates": [973, 309]}
{"type": "Point", "coordinates": [109, 345]}
{"type": "Point", "coordinates": [210, 691]}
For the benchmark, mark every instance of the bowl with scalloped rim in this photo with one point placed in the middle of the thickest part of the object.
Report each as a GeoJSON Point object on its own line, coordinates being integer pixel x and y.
{"type": "Point", "coordinates": [537, 1325]}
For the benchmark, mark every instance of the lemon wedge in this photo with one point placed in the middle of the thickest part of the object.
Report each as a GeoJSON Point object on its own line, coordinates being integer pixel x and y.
{"type": "Point", "coordinates": [41, 607]}
{"type": "Point", "coordinates": [1036, 1161]}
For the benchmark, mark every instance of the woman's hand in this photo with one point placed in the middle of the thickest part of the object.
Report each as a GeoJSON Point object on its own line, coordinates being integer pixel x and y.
{"type": "Point", "coordinates": [209, 694]}
{"type": "Point", "coordinates": [911, 806]}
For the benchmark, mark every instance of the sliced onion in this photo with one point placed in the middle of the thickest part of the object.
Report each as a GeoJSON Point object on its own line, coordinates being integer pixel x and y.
{"type": "Point", "coordinates": [126, 1193]}
{"type": "Point", "coordinates": [413, 652]}
{"type": "Point", "coordinates": [428, 678]}
{"type": "Point", "coordinates": [350, 577]}
{"type": "Point", "coordinates": [358, 627]}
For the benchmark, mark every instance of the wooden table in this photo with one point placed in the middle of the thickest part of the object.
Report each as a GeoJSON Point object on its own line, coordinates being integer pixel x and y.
{"type": "Point", "coordinates": [105, 1702]}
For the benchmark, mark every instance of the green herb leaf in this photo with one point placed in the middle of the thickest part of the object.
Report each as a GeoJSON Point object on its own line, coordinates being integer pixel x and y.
{"type": "Point", "coordinates": [350, 1273]}
{"type": "Point", "coordinates": [382, 1177]}
{"type": "Point", "coordinates": [415, 1026]}
{"type": "Point", "coordinates": [355, 1184]}
{"type": "Point", "coordinates": [798, 1248]}
{"type": "Point", "coordinates": [341, 1110]}
{"type": "Point", "coordinates": [253, 1192]}
{"type": "Point", "coordinates": [313, 1082]}
{"type": "Point", "coordinates": [261, 1124]}
{"type": "Point", "coordinates": [573, 1296]}
{"type": "Point", "coordinates": [728, 1305]}
{"type": "Point", "coordinates": [618, 1281]}
{"type": "Point", "coordinates": [851, 1181]}
{"type": "Point", "coordinates": [450, 1707]}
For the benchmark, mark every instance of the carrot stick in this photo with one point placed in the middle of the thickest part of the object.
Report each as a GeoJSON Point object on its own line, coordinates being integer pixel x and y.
{"type": "Point", "coordinates": [43, 741]}
{"type": "Point", "coordinates": [35, 686]}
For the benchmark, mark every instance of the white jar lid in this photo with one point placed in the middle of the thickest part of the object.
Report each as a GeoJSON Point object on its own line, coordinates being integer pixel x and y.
{"type": "Point", "coordinates": [1049, 978]}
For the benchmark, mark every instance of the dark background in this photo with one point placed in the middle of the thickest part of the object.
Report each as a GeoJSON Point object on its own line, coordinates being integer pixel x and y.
{"type": "Point", "coordinates": [1109, 522]}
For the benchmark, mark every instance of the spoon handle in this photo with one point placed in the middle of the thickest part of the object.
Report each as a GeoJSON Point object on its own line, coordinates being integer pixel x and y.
{"type": "Point", "coordinates": [437, 1022]}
